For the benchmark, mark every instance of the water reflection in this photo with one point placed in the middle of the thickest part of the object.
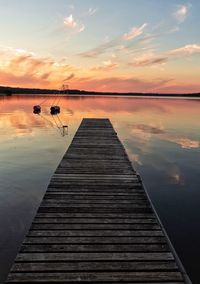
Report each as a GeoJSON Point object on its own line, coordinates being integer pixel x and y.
{"type": "Point", "coordinates": [161, 136]}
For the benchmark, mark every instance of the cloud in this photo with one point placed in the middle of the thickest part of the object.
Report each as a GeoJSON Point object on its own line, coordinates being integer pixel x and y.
{"type": "Point", "coordinates": [100, 49]}
{"type": "Point", "coordinates": [148, 59]}
{"type": "Point", "coordinates": [107, 65]}
{"type": "Point", "coordinates": [149, 128]}
{"type": "Point", "coordinates": [82, 28]}
{"type": "Point", "coordinates": [116, 43]}
{"type": "Point", "coordinates": [119, 84]}
{"type": "Point", "coordinates": [134, 32]}
{"type": "Point", "coordinates": [71, 76]}
{"type": "Point", "coordinates": [91, 11]}
{"type": "Point", "coordinates": [186, 50]}
{"type": "Point", "coordinates": [70, 23]}
{"type": "Point", "coordinates": [181, 13]}
{"type": "Point", "coordinates": [28, 70]}
{"type": "Point", "coordinates": [185, 143]}
{"type": "Point", "coordinates": [180, 88]}
{"type": "Point", "coordinates": [135, 158]}
{"type": "Point", "coordinates": [145, 132]}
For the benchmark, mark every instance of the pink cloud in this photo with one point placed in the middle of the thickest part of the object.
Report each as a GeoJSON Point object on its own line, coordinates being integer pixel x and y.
{"type": "Point", "coordinates": [117, 84]}
{"type": "Point", "coordinates": [25, 69]}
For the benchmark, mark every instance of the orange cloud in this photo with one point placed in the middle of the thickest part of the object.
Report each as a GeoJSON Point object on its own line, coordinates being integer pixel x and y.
{"type": "Point", "coordinates": [27, 70]}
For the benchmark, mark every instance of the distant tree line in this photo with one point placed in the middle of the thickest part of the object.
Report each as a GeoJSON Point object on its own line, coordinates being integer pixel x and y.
{"type": "Point", "coordinates": [10, 90]}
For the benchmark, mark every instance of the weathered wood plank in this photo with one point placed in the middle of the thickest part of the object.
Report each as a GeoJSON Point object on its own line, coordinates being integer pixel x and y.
{"type": "Point", "coordinates": [94, 248]}
{"type": "Point", "coordinates": [94, 233]}
{"type": "Point", "coordinates": [112, 216]}
{"type": "Point", "coordinates": [96, 266]}
{"type": "Point", "coordinates": [93, 203]}
{"type": "Point", "coordinates": [99, 276]}
{"type": "Point", "coordinates": [90, 256]}
{"type": "Point", "coordinates": [95, 240]}
{"type": "Point", "coordinates": [61, 226]}
{"type": "Point", "coordinates": [112, 221]}
{"type": "Point", "coordinates": [86, 196]}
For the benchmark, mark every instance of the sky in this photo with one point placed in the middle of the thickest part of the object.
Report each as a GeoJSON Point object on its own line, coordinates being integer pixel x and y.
{"type": "Point", "coordinates": [101, 45]}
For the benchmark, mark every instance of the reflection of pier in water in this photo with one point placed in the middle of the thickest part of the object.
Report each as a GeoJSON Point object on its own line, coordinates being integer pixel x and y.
{"type": "Point", "coordinates": [96, 223]}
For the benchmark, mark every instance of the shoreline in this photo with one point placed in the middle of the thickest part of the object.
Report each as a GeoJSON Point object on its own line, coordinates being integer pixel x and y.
{"type": "Point", "coordinates": [144, 96]}
{"type": "Point", "coordinates": [9, 91]}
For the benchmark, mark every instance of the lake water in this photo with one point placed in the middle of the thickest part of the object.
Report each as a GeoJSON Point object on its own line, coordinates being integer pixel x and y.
{"type": "Point", "coordinates": [161, 136]}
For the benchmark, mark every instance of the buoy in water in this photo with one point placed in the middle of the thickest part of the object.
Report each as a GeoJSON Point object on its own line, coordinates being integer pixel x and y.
{"type": "Point", "coordinates": [36, 109]}
{"type": "Point", "coordinates": [55, 109]}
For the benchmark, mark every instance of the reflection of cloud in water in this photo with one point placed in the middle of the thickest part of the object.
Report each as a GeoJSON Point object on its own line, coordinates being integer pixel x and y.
{"type": "Point", "coordinates": [22, 123]}
{"type": "Point", "coordinates": [185, 143]}
{"type": "Point", "coordinates": [175, 175]}
{"type": "Point", "coordinates": [135, 158]}
{"type": "Point", "coordinates": [146, 132]}
{"type": "Point", "coordinates": [149, 128]}
{"type": "Point", "coordinates": [69, 111]}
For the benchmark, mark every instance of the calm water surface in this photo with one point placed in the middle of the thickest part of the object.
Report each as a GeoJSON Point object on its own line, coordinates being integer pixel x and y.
{"type": "Point", "coordinates": [162, 137]}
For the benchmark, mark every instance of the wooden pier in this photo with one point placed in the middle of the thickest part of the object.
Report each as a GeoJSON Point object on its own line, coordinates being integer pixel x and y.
{"type": "Point", "coordinates": [96, 223]}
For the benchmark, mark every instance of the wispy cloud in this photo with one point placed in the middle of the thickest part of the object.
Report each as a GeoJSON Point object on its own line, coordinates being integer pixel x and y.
{"type": "Point", "coordinates": [181, 13]}
{"type": "Point", "coordinates": [153, 129]}
{"type": "Point", "coordinates": [81, 28]}
{"type": "Point", "coordinates": [134, 32]}
{"type": "Point", "coordinates": [114, 43]}
{"type": "Point", "coordinates": [100, 49]}
{"type": "Point", "coordinates": [91, 11]}
{"type": "Point", "coordinates": [117, 84]}
{"type": "Point", "coordinates": [148, 59]}
{"type": "Point", "coordinates": [106, 66]}
{"type": "Point", "coordinates": [188, 49]}
{"type": "Point", "coordinates": [151, 58]}
{"type": "Point", "coordinates": [71, 76]}
{"type": "Point", "coordinates": [71, 23]}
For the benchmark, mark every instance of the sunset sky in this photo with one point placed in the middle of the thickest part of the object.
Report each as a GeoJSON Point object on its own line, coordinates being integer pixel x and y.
{"type": "Point", "coordinates": [103, 45]}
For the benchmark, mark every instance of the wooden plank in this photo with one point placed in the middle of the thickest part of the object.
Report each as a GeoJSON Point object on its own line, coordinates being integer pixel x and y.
{"type": "Point", "coordinates": [95, 240]}
{"type": "Point", "coordinates": [113, 221]}
{"type": "Point", "coordinates": [96, 266]}
{"type": "Point", "coordinates": [53, 248]}
{"type": "Point", "coordinates": [94, 256]}
{"type": "Point", "coordinates": [97, 276]}
{"type": "Point", "coordinates": [135, 203]}
{"type": "Point", "coordinates": [90, 196]}
{"type": "Point", "coordinates": [94, 233]}
{"type": "Point", "coordinates": [95, 223]}
{"type": "Point", "coordinates": [61, 226]}
{"type": "Point", "coordinates": [112, 216]}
